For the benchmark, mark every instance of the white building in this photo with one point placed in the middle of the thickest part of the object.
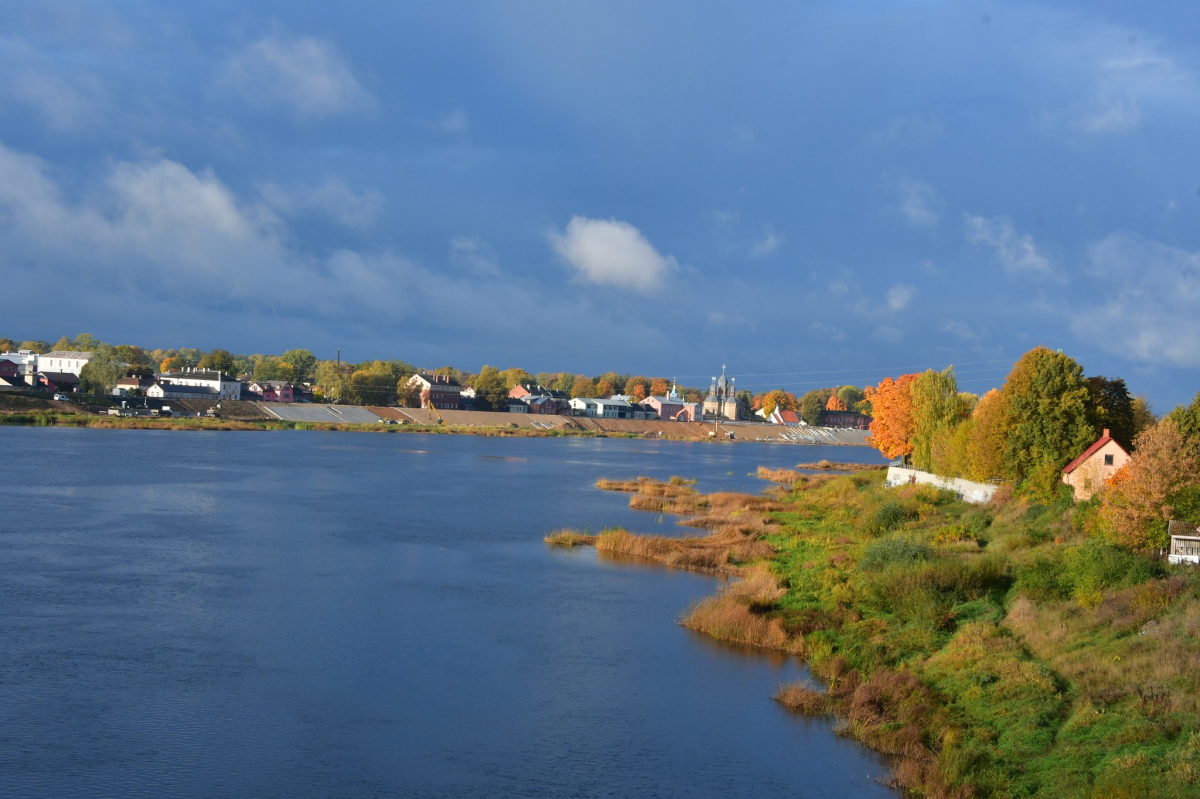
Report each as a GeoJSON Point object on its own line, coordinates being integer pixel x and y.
{"type": "Point", "coordinates": [222, 385]}
{"type": "Point", "coordinates": [602, 408]}
{"type": "Point", "coordinates": [178, 392]}
{"type": "Point", "coordinates": [63, 362]}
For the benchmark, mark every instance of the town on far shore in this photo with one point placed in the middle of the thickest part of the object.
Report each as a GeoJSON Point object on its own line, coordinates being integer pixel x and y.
{"type": "Point", "coordinates": [296, 386]}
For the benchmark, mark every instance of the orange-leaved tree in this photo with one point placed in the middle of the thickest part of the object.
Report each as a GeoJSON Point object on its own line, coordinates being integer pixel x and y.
{"type": "Point", "coordinates": [1138, 502]}
{"type": "Point", "coordinates": [783, 400]}
{"type": "Point", "coordinates": [659, 387]}
{"type": "Point", "coordinates": [835, 403]}
{"type": "Point", "coordinates": [892, 426]}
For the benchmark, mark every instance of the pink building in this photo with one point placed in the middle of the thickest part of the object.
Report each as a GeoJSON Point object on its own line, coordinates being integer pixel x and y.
{"type": "Point", "coordinates": [273, 390]}
{"type": "Point", "coordinates": [1096, 466]}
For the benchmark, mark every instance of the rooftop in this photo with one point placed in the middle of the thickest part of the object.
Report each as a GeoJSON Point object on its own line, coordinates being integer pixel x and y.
{"type": "Point", "coordinates": [68, 354]}
{"type": "Point", "coordinates": [1090, 451]}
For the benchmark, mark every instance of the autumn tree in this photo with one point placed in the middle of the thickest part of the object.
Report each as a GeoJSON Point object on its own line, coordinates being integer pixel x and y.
{"type": "Point", "coordinates": [85, 342]}
{"type": "Point", "coordinates": [218, 360]}
{"type": "Point", "coordinates": [637, 388]}
{"type": "Point", "coordinates": [1049, 408]}
{"type": "Point", "coordinates": [38, 346]}
{"type": "Point", "coordinates": [892, 426]}
{"type": "Point", "coordinates": [565, 382]}
{"type": "Point", "coordinates": [783, 400]}
{"type": "Point", "coordinates": [64, 344]}
{"type": "Point", "coordinates": [604, 388]}
{"type": "Point", "coordinates": [1140, 499]}
{"type": "Point", "coordinates": [987, 431]}
{"type": "Point", "coordinates": [270, 367]}
{"type": "Point", "coordinates": [835, 403]}
{"type": "Point", "coordinates": [6, 344]}
{"type": "Point", "coordinates": [1112, 408]}
{"type": "Point", "coordinates": [514, 377]}
{"type": "Point", "coordinates": [936, 408]}
{"type": "Point", "coordinates": [660, 387]}
{"type": "Point", "coordinates": [370, 387]}
{"type": "Point", "coordinates": [583, 387]}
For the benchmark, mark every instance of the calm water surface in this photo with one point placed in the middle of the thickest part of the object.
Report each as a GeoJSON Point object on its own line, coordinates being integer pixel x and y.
{"type": "Point", "coordinates": [311, 614]}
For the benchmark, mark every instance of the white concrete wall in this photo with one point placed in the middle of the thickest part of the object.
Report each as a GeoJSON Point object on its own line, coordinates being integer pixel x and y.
{"type": "Point", "coordinates": [975, 493]}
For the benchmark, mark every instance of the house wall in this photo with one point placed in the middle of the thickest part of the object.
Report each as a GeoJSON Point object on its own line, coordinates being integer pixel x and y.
{"type": "Point", "coordinates": [1089, 476]}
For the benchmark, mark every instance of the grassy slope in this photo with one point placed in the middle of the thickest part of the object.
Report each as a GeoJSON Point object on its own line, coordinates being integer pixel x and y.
{"type": "Point", "coordinates": [995, 650]}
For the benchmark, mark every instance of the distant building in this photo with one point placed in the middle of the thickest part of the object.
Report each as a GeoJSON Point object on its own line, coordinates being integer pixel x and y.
{"type": "Point", "coordinates": [63, 361]}
{"type": "Point", "coordinates": [523, 390]}
{"type": "Point", "coordinates": [223, 386]}
{"type": "Point", "coordinates": [722, 402]}
{"type": "Point", "coordinates": [786, 418]}
{"type": "Point", "coordinates": [272, 390]}
{"type": "Point", "coordinates": [1092, 469]}
{"type": "Point", "coordinates": [692, 412]}
{"type": "Point", "coordinates": [846, 419]}
{"type": "Point", "coordinates": [437, 391]}
{"type": "Point", "coordinates": [610, 408]}
{"type": "Point", "coordinates": [129, 385]}
{"type": "Point", "coordinates": [10, 374]}
{"type": "Point", "coordinates": [54, 382]}
{"type": "Point", "coordinates": [665, 408]}
{"type": "Point", "coordinates": [178, 391]}
{"type": "Point", "coordinates": [514, 405]}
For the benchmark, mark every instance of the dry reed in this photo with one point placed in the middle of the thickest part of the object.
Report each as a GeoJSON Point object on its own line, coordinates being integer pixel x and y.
{"type": "Point", "coordinates": [570, 538]}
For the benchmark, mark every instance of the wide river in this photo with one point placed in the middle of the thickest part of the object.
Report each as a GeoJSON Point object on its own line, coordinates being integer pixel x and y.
{"type": "Point", "coordinates": [306, 614]}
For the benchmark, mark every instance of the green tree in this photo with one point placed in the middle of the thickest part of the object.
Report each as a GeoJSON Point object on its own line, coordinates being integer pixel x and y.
{"type": "Point", "coordinates": [372, 388]}
{"type": "Point", "coordinates": [491, 394]}
{"type": "Point", "coordinates": [64, 344]}
{"type": "Point", "coordinates": [1050, 412]}
{"type": "Point", "coordinates": [812, 405]}
{"type": "Point", "coordinates": [135, 358]}
{"type": "Point", "coordinates": [513, 377]}
{"type": "Point", "coordinates": [37, 345]}
{"type": "Point", "coordinates": [218, 360]}
{"type": "Point", "coordinates": [851, 395]}
{"type": "Point", "coordinates": [1143, 415]}
{"type": "Point", "coordinates": [271, 367]}
{"type": "Point", "coordinates": [303, 363]}
{"type": "Point", "coordinates": [565, 382]}
{"type": "Point", "coordinates": [100, 374]}
{"type": "Point", "coordinates": [1112, 408]}
{"type": "Point", "coordinates": [936, 408]}
{"type": "Point", "coordinates": [1187, 419]}
{"type": "Point", "coordinates": [333, 381]}
{"type": "Point", "coordinates": [85, 342]}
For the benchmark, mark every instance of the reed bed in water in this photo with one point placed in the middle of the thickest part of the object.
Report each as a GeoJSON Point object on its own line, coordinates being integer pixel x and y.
{"type": "Point", "coordinates": [570, 538]}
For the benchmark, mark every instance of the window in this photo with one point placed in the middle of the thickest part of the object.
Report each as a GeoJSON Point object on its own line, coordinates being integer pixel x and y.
{"type": "Point", "coordinates": [1108, 460]}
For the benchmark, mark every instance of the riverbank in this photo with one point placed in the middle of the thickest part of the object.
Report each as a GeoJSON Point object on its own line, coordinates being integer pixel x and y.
{"type": "Point", "coordinates": [194, 415]}
{"type": "Point", "coordinates": [991, 650]}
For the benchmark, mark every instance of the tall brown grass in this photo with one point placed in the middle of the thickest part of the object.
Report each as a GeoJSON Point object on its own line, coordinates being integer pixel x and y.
{"type": "Point", "coordinates": [828, 466]}
{"type": "Point", "coordinates": [570, 538]}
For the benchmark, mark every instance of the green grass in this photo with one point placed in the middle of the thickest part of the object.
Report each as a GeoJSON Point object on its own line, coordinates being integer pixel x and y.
{"type": "Point", "coordinates": [997, 651]}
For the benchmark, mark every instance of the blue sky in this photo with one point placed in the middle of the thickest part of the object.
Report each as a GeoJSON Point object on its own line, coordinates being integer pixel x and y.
{"type": "Point", "coordinates": [810, 193]}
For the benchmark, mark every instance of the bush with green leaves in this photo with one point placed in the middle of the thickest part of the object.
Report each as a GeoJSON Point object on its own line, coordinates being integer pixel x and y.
{"type": "Point", "coordinates": [889, 516]}
{"type": "Point", "coordinates": [887, 551]}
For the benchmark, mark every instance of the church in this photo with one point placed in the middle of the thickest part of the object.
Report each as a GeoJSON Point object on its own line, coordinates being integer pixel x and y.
{"type": "Point", "coordinates": [721, 402]}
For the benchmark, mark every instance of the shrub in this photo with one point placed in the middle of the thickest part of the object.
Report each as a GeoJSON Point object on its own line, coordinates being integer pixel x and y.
{"type": "Point", "coordinates": [888, 517]}
{"type": "Point", "coordinates": [887, 551]}
{"type": "Point", "coordinates": [1042, 580]}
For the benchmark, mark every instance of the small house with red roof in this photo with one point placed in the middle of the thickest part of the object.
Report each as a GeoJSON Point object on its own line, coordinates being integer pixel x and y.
{"type": "Point", "coordinates": [1098, 463]}
{"type": "Point", "coordinates": [786, 418]}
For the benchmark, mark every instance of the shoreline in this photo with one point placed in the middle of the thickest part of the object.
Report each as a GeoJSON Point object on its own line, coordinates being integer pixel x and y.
{"type": "Point", "coordinates": [936, 635]}
{"type": "Point", "coordinates": [596, 429]}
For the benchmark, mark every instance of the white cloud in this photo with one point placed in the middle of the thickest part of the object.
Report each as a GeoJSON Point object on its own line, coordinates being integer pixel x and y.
{"type": "Point", "coordinates": [1015, 251]}
{"type": "Point", "coordinates": [475, 256]}
{"type": "Point", "coordinates": [960, 330]}
{"type": "Point", "coordinates": [611, 253]}
{"type": "Point", "coordinates": [332, 197]}
{"type": "Point", "coordinates": [66, 99]}
{"type": "Point", "coordinates": [892, 335]}
{"type": "Point", "coordinates": [1153, 292]}
{"type": "Point", "coordinates": [306, 74]}
{"type": "Point", "coordinates": [157, 234]}
{"type": "Point", "coordinates": [900, 295]}
{"type": "Point", "coordinates": [916, 200]}
{"type": "Point", "coordinates": [827, 331]}
{"type": "Point", "coordinates": [768, 243]}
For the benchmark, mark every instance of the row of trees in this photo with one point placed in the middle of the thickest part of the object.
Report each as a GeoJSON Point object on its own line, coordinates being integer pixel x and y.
{"type": "Point", "coordinates": [1046, 413]}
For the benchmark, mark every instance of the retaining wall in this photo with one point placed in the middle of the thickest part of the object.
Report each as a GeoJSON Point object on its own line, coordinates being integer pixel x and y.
{"type": "Point", "coordinates": [975, 493]}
